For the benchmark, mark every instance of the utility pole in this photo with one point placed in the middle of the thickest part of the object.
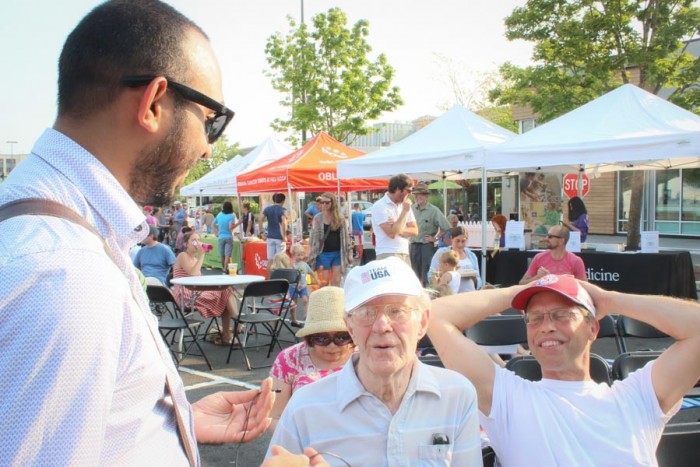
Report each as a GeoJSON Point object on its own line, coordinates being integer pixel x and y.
{"type": "Point", "coordinates": [12, 156]}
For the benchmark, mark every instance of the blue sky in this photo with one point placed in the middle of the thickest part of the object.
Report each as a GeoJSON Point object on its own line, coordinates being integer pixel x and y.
{"type": "Point", "coordinates": [410, 32]}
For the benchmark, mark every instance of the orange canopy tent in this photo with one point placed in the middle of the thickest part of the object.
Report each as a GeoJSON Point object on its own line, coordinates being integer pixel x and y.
{"type": "Point", "coordinates": [310, 168]}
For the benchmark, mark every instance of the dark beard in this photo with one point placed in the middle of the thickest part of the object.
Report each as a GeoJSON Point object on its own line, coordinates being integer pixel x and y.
{"type": "Point", "coordinates": [153, 176]}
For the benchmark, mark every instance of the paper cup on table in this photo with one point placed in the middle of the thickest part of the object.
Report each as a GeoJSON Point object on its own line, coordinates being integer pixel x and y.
{"type": "Point", "coordinates": [233, 268]}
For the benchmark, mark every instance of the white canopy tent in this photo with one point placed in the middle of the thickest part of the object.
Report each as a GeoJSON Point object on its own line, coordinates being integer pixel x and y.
{"type": "Point", "coordinates": [448, 148]}
{"type": "Point", "coordinates": [627, 128]}
{"type": "Point", "coordinates": [222, 180]}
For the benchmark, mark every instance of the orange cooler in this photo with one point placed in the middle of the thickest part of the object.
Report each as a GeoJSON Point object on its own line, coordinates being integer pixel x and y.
{"type": "Point", "coordinates": [255, 258]}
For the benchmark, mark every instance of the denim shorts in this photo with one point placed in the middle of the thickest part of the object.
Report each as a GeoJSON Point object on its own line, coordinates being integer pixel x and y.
{"type": "Point", "coordinates": [328, 259]}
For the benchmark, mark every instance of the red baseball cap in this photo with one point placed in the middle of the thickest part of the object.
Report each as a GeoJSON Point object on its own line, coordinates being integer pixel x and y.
{"type": "Point", "coordinates": [566, 286]}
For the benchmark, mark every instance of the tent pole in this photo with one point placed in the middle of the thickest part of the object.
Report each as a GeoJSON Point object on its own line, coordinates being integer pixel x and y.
{"type": "Point", "coordinates": [291, 205]}
{"type": "Point", "coordinates": [483, 224]}
{"type": "Point", "coordinates": [444, 193]}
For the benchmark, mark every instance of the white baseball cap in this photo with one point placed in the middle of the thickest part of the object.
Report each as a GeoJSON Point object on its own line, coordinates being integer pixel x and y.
{"type": "Point", "coordinates": [389, 276]}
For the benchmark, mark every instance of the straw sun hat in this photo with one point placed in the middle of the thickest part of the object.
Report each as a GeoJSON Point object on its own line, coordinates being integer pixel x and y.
{"type": "Point", "coordinates": [325, 312]}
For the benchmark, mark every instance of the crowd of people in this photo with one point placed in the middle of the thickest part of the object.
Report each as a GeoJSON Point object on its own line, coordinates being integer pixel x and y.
{"type": "Point", "coordinates": [90, 382]}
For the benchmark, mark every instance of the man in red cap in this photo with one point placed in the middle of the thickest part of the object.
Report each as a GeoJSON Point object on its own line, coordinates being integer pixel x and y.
{"type": "Point", "coordinates": [567, 419]}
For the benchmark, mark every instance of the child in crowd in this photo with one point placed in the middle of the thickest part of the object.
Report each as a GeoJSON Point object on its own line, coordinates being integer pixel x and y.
{"type": "Point", "coordinates": [447, 276]}
{"type": "Point", "coordinates": [282, 261]}
{"type": "Point", "coordinates": [299, 255]}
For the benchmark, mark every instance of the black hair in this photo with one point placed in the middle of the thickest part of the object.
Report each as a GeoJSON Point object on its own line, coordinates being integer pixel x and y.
{"type": "Point", "coordinates": [116, 39]}
{"type": "Point", "coordinates": [278, 198]}
{"type": "Point", "coordinates": [227, 207]}
{"type": "Point", "coordinates": [576, 208]}
{"type": "Point", "coordinates": [399, 182]}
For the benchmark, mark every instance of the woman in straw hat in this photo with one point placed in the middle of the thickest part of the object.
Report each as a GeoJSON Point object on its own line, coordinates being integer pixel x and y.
{"type": "Point", "coordinates": [326, 347]}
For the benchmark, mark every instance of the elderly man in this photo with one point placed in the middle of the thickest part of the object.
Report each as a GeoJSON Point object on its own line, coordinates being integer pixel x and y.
{"type": "Point", "coordinates": [393, 222]}
{"type": "Point", "coordinates": [91, 382]}
{"type": "Point", "coordinates": [432, 225]}
{"type": "Point", "coordinates": [567, 419]}
{"type": "Point", "coordinates": [556, 260]}
{"type": "Point", "coordinates": [385, 407]}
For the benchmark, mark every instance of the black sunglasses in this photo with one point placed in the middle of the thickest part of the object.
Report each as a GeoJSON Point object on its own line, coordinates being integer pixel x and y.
{"type": "Point", "coordinates": [553, 236]}
{"type": "Point", "coordinates": [324, 340]}
{"type": "Point", "coordinates": [213, 125]}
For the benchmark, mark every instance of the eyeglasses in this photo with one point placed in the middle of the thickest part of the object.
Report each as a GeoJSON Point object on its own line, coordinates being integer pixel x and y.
{"type": "Point", "coordinates": [367, 315]}
{"type": "Point", "coordinates": [324, 340]}
{"type": "Point", "coordinates": [324, 202]}
{"type": "Point", "coordinates": [214, 125]}
{"type": "Point", "coordinates": [553, 236]}
{"type": "Point", "coordinates": [559, 316]}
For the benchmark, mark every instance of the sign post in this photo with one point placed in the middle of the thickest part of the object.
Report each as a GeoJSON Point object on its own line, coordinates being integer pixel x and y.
{"type": "Point", "coordinates": [571, 185]}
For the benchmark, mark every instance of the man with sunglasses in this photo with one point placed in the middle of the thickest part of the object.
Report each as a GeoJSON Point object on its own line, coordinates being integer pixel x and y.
{"type": "Point", "coordinates": [566, 418]}
{"type": "Point", "coordinates": [393, 222]}
{"type": "Point", "coordinates": [89, 381]}
{"type": "Point", "coordinates": [385, 407]}
{"type": "Point", "coordinates": [556, 260]}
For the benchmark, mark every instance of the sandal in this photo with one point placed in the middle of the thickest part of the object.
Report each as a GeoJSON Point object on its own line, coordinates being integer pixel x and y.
{"type": "Point", "coordinates": [219, 341]}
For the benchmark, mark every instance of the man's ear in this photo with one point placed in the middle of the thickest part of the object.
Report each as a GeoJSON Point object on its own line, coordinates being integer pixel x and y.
{"type": "Point", "coordinates": [425, 317]}
{"type": "Point", "coordinates": [150, 111]}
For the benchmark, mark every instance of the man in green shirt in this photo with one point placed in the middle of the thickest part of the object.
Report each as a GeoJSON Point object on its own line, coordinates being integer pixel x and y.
{"type": "Point", "coordinates": [432, 224]}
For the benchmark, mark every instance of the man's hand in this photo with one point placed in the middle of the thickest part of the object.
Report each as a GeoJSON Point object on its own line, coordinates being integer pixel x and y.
{"type": "Point", "coordinates": [600, 299]}
{"type": "Point", "coordinates": [283, 458]}
{"type": "Point", "coordinates": [221, 417]}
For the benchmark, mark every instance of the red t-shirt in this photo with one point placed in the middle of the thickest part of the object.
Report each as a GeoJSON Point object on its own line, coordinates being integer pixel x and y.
{"type": "Point", "coordinates": [569, 264]}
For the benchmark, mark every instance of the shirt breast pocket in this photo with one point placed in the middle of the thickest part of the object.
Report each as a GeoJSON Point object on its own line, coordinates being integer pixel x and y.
{"type": "Point", "coordinates": [435, 454]}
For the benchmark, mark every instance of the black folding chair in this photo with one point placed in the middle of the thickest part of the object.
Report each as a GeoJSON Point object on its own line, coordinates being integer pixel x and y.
{"type": "Point", "coordinates": [679, 445]}
{"type": "Point", "coordinates": [527, 367]}
{"type": "Point", "coordinates": [629, 327]}
{"type": "Point", "coordinates": [432, 360]}
{"type": "Point", "coordinates": [498, 330]}
{"type": "Point", "coordinates": [629, 362]}
{"type": "Point", "coordinates": [174, 324]}
{"type": "Point", "coordinates": [269, 318]}
{"type": "Point", "coordinates": [293, 276]}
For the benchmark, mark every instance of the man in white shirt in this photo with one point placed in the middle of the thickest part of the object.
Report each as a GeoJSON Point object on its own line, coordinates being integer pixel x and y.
{"type": "Point", "coordinates": [90, 380]}
{"type": "Point", "coordinates": [567, 419]}
{"type": "Point", "coordinates": [393, 221]}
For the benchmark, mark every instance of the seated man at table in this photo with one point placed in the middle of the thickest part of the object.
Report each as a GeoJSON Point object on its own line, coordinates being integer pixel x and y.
{"type": "Point", "coordinates": [567, 419]}
{"type": "Point", "coordinates": [154, 259]}
{"type": "Point", "coordinates": [556, 260]}
{"type": "Point", "coordinates": [385, 406]}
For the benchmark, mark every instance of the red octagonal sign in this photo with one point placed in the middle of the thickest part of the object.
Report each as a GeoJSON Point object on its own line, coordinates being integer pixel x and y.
{"type": "Point", "coordinates": [571, 185]}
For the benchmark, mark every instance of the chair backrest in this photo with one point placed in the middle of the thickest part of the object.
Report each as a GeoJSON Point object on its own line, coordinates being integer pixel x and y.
{"type": "Point", "coordinates": [526, 366]}
{"type": "Point", "coordinates": [266, 288]}
{"type": "Point", "coordinates": [432, 360]}
{"type": "Point", "coordinates": [293, 276]}
{"type": "Point", "coordinates": [162, 301]}
{"type": "Point", "coordinates": [679, 445]}
{"type": "Point", "coordinates": [630, 327]}
{"type": "Point", "coordinates": [498, 330]}
{"type": "Point", "coordinates": [628, 362]}
{"type": "Point", "coordinates": [607, 327]}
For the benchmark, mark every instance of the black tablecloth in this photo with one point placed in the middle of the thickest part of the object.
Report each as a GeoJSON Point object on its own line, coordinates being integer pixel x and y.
{"type": "Point", "coordinates": [666, 273]}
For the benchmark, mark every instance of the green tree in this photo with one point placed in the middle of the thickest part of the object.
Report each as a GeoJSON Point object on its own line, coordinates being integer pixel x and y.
{"type": "Point", "coordinates": [326, 78]}
{"type": "Point", "coordinates": [221, 152]}
{"type": "Point", "coordinates": [585, 48]}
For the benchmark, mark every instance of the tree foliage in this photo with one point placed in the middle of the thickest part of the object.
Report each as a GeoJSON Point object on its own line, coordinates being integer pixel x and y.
{"type": "Point", "coordinates": [221, 152]}
{"type": "Point", "coordinates": [585, 48]}
{"type": "Point", "coordinates": [327, 79]}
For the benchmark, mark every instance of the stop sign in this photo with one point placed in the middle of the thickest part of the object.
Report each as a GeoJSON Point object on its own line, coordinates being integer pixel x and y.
{"type": "Point", "coordinates": [571, 185]}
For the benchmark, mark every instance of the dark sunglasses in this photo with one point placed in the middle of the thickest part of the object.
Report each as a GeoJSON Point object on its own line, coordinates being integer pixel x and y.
{"type": "Point", "coordinates": [213, 125]}
{"type": "Point", "coordinates": [324, 340]}
{"type": "Point", "coordinates": [553, 236]}
{"type": "Point", "coordinates": [324, 202]}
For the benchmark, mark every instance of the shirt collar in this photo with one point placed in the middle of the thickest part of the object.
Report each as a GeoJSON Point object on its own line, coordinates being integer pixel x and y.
{"type": "Point", "coordinates": [107, 198]}
{"type": "Point", "coordinates": [350, 388]}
